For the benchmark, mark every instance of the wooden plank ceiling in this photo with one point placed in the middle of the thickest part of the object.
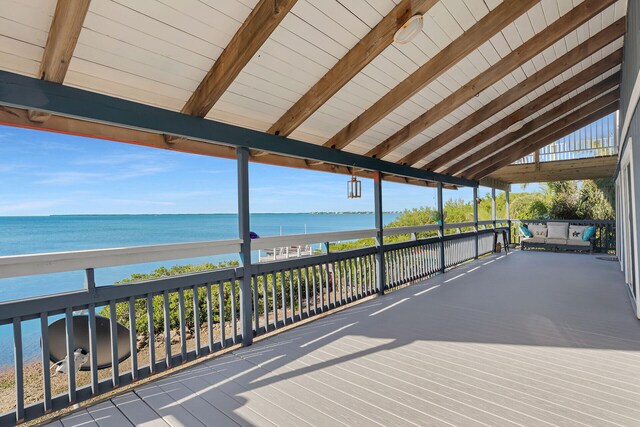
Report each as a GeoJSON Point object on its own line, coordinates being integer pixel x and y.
{"type": "Point", "coordinates": [328, 72]}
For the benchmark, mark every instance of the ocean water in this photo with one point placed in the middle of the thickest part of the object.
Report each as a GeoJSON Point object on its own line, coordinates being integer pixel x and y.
{"type": "Point", "coordinates": [27, 235]}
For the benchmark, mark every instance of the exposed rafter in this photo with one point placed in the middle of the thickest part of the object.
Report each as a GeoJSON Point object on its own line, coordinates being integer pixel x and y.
{"type": "Point", "coordinates": [568, 124]}
{"type": "Point", "coordinates": [548, 140]}
{"type": "Point", "coordinates": [528, 50]}
{"type": "Point", "coordinates": [560, 170]}
{"type": "Point", "coordinates": [565, 62]}
{"type": "Point", "coordinates": [478, 34]}
{"type": "Point", "coordinates": [61, 41]}
{"type": "Point", "coordinates": [563, 89]}
{"type": "Point", "coordinates": [255, 30]}
{"type": "Point", "coordinates": [371, 45]}
{"type": "Point", "coordinates": [537, 123]}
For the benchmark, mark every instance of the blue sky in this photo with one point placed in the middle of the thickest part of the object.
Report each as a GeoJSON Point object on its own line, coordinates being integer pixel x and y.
{"type": "Point", "coordinates": [44, 173]}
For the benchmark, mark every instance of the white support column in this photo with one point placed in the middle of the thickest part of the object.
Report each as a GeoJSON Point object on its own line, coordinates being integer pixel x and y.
{"type": "Point", "coordinates": [377, 197]}
{"type": "Point", "coordinates": [493, 206]}
{"type": "Point", "coordinates": [508, 216]}
{"type": "Point", "coordinates": [245, 250]}
{"type": "Point", "coordinates": [475, 219]}
{"type": "Point", "coordinates": [441, 229]}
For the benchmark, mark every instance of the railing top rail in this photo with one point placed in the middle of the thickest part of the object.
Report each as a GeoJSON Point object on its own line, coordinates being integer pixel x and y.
{"type": "Point", "coordinates": [270, 242]}
{"type": "Point", "coordinates": [458, 225]}
{"type": "Point", "coordinates": [576, 221]}
{"type": "Point", "coordinates": [394, 231]}
{"type": "Point", "coordinates": [56, 262]}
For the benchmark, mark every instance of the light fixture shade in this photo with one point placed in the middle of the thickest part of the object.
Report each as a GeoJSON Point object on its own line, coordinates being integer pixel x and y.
{"type": "Point", "coordinates": [409, 30]}
{"type": "Point", "coordinates": [515, 127]}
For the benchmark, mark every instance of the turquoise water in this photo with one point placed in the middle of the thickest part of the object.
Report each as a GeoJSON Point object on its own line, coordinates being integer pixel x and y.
{"type": "Point", "coordinates": [25, 235]}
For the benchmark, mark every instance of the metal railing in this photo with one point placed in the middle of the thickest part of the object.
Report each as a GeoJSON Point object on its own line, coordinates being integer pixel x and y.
{"type": "Point", "coordinates": [605, 237]}
{"type": "Point", "coordinates": [595, 140]}
{"type": "Point", "coordinates": [189, 316]}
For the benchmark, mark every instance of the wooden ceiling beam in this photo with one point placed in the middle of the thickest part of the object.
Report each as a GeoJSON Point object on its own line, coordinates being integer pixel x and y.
{"type": "Point", "coordinates": [536, 124]}
{"type": "Point", "coordinates": [558, 170]}
{"type": "Point", "coordinates": [62, 39]}
{"type": "Point", "coordinates": [256, 29]}
{"type": "Point", "coordinates": [528, 110]}
{"type": "Point", "coordinates": [563, 127]}
{"type": "Point", "coordinates": [371, 45]}
{"type": "Point", "coordinates": [473, 38]}
{"type": "Point", "coordinates": [554, 69]}
{"type": "Point", "coordinates": [528, 50]}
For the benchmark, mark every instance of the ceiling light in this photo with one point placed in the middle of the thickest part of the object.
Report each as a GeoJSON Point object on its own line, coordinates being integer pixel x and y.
{"type": "Point", "coordinates": [409, 30]}
{"type": "Point", "coordinates": [515, 127]}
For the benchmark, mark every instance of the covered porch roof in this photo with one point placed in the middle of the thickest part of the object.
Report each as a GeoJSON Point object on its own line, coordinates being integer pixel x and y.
{"type": "Point", "coordinates": [315, 85]}
{"type": "Point", "coordinates": [528, 338]}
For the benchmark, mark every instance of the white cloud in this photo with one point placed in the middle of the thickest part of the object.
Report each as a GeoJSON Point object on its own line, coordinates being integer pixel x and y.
{"type": "Point", "coordinates": [29, 207]}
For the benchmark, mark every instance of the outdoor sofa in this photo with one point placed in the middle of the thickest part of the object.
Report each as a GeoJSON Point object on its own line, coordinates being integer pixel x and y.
{"type": "Point", "coordinates": [558, 236]}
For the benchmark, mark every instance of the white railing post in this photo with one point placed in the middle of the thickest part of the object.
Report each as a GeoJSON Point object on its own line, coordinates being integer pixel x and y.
{"type": "Point", "coordinates": [493, 207]}
{"type": "Point", "coordinates": [508, 215]}
{"type": "Point", "coordinates": [377, 196]}
{"type": "Point", "coordinates": [441, 228]}
{"type": "Point", "coordinates": [475, 220]}
{"type": "Point", "coordinates": [245, 246]}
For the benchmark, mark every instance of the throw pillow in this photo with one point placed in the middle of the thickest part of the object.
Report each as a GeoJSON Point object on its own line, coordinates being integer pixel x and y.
{"type": "Point", "coordinates": [576, 231]}
{"type": "Point", "coordinates": [538, 230]}
{"type": "Point", "coordinates": [589, 233]}
{"type": "Point", "coordinates": [524, 231]}
{"type": "Point", "coordinates": [557, 230]}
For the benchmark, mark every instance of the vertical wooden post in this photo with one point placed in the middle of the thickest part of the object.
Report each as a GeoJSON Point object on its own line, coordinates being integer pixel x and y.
{"type": "Point", "coordinates": [475, 220]}
{"type": "Point", "coordinates": [536, 159]}
{"type": "Point", "coordinates": [508, 216]}
{"type": "Point", "coordinates": [493, 206]}
{"type": "Point", "coordinates": [377, 196]}
{"type": "Point", "coordinates": [245, 248]}
{"type": "Point", "coordinates": [441, 229]}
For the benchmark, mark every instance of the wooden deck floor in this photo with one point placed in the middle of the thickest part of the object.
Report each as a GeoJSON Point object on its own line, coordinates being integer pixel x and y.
{"type": "Point", "coordinates": [527, 339]}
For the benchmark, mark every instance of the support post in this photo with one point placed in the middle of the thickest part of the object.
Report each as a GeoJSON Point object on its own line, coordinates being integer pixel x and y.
{"type": "Point", "coordinates": [245, 247]}
{"type": "Point", "coordinates": [475, 220]}
{"type": "Point", "coordinates": [506, 204]}
{"type": "Point", "coordinates": [493, 206]}
{"type": "Point", "coordinates": [377, 196]}
{"type": "Point", "coordinates": [441, 228]}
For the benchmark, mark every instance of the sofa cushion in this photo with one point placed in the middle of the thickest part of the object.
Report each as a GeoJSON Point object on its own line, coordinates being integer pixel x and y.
{"type": "Point", "coordinates": [576, 232]}
{"type": "Point", "coordinates": [558, 230]}
{"type": "Point", "coordinates": [555, 241]}
{"type": "Point", "coordinates": [538, 230]}
{"type": "Point", "coordinates": [533, 239]}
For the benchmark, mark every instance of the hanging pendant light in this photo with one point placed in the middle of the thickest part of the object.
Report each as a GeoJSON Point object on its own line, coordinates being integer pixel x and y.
{"type": "Point", "coordinates": [354, 188]}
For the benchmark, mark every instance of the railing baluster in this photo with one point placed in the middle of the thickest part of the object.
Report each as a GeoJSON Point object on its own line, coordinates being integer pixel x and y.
{"type": "Point", "coordinates": [182, 326]}
{"type": "Point", "coordinates": [274, 299]}
{"type": "Point", "coordinates": [209, 318]}
{"type": "Point", "coordinates": [265, 302]}
{"type": "Point", "coordinates": [299, 287]}
{"type": "Point", "coordinates": [46, 363]}
{"type": "Point", "coordinates": [222, 314]}
{"type": "Point", "coordinates": [256, 304]}
{"type": "Point", "coordinates": [133, 337]}
{"type": "Point", "coordinates": [306, 288]}
{"type": "Point", "coordinates": [151, 331]}
{"type": "Point", "coordinates": [337, 271]}
{"type": "Point", "coordinates": [113, 329]}
{"type": "Point", "coordinates": [167, 328]}
{"type": "Point", "coordinates": [315, 297]}
{"type": "Point", "coordinates": [71, 371]}
{"type": "Point", "coordinates": [327, 286]}
{"type": "Point", "coordinates": [19, 368]}
{"type": "Point", "coordinates": [196, 319]}
{"type": "Point", "coordinates": [284, 297]}
{"type": "Point", "coordinates": [292, 309]}
{"type": "Point", "coordinates": [234, 313]}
